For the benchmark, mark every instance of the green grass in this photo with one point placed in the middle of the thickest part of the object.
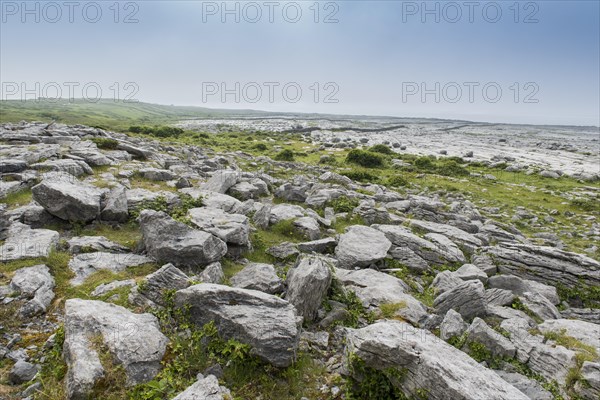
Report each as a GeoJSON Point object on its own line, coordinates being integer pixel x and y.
{"type": "Point", "coordinates": [127, 234]}
{"type": "Point", "coordinates": [17, 199]}
{"type": "Point", "coordinates": [106, 113]}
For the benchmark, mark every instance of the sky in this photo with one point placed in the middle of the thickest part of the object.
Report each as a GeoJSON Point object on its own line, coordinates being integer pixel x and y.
{"type": "Point", "coordinates": [534, 62]}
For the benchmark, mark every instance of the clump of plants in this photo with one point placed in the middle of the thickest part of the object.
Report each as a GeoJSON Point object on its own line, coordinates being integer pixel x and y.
{"type": "Point", "coordinates": [285, 155]}
{"type": "Point", "coordinates": [105, 143]}
{"type": "Point", "coordinates": [343, 204]}
{"type": "Point", "coordinates": [381, 149]}
{"type": "Point", "coordinates": [365, 159]}
{"type": "Point", "coordinates": [157, 131]}
{"type": "Point", "coordinates": [360, 176]}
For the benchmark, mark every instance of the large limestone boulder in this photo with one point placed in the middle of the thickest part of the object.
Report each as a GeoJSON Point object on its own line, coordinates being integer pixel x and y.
{"type": "Point", "coordinates": [498, 345]}
{"type": "Point", "coordinates": [221, 181]}
{"type": "Point", "coordinates": [258, 276]}
{"type": "Point", "coordinates": [268, 324]}
{"type": "Point", "coordinates": [546, 264]}
{"type": "Point", "coordinates": [361, 246]}
{"type": "Point", "coordinates": [468, 299]}
{"type": "Point", "coordinates": [132, 340]}
{"type": "Point", "coordinates": [375, 288]}
{"type": "Point", "coordinates": [85, 264]}
{"type": "Point", "coordinates": [231, 228]}
{"type": "Point", "coordinates": [115, 205]}
{"type": "Point", "coordinates": [34, 284]}
{"type": "Point", "coordinates": [423, 361]}
{"type": "Point", "coordinates": [24, 242]}
{"type": "Point", "coordinates": [167, 240]}
{"type": "Point", "coordinates": [585, 332]}
{"type": "Point", "coordinates": [308, 283]}
{"type": "Point", "coordinates": [67, 198]}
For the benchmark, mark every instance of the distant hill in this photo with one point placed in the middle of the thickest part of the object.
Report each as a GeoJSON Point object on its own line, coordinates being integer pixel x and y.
{"type": "Point", "coordinates": [107, 113]}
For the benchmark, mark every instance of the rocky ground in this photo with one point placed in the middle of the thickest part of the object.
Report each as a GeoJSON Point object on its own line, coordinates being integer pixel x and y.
{"type": "Point", "coordinates": [294, 259]}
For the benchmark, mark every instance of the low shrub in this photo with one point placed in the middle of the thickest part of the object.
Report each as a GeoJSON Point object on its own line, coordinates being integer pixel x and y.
{"type": "Point", "coordinates": [382, 149]}
{"type": "Point", "coordinates": [105, 143]}
{"type": "Point", "coordinates": [365, 158]}
{"type": "Point", "coordinates": [285, 155]}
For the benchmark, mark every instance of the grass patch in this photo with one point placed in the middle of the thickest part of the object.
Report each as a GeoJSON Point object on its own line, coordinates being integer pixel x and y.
{"type": "Point", "coordinates": [18, 198]}
{"type": "Point", "coordinates": [127, 234]}
{"type": "Point", "coordinates": [389, 310]}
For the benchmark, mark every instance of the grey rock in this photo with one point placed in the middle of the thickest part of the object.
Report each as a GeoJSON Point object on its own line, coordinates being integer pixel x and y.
{"type": "Point", "coordinates": [519, 286]}
{"type": "Point", "coordinates": [261, 217]}
{"type": "Point", "coordinates": [12, 165]}
{"type": "Point", "coordinates": [283, 251]}
{"type": "Point", "coordinates": [499, 297]}
{"type": "Point", "coordinates": [71, 167]}
{"type": "Point", "coordinates": [361, 246]}
{"type": "Point", "coordinates": [466, 298]}
{"type": "Point", "coordinates": [585, 314]}
{"type": "Point", "coordinates": [115, 208]}
{"type": "Point", "coordinates": [168, 277]}
{"type": "Point", "coordinates": [308, 282]}
{"type": "Point", "coordinates": [155, 174]}
{"type": "Point", "coordinates": [546, 264]}
{"type": "Point", "coordinates": [133, 340]}
{"type": "Point", "coordinates": [24, 242]}
{"type": "Point", "coordinates": [213, 273]}
{"type": "Point", "coordinates": [68, 199]}
{"type": "Point", "coordinates": [265, 322]}
{"type": "Point", "coordinates": [324, 245]}
{"type": "Point", "coordinates": [36, 284]}
{"type": "Point", "coordinates": [452, 325]}
{"type": "Point", "coordinates": [308, 227]}
{"type": "Point", "coordinates": [548, 360]}
{"type": "Point", "coordinates": [397, 345]}
{"type": "Point", "coordinates": [446, 247]}
{"type": "Point", "coordinates": [585, 332]}
{"type": "Point", "coordinates": [590, 374]}
{"type": "Point", "coordinates": [257, 276]}
{"type": "Point", "coordinates": [445, 281]}
{"type": "Point", "coordinates": [137, 197]}
{"type": "Point", "coordinates": [539, 305]}
{"type": "Point", "coordinates": [167, 240]}
{"type": "Point", "coordinates": [457, 235]}
{"type": "Point", "coordinates": [214, 199]}
{"type": "Point", "coordinates": [205, 388]}
{"type": "Point", "coordinates": [498, 345]}
{"type": "Point", "coordinates": [284, 212]}
{"type": "Point", "coordinates": [231, 228]}
{"type": "Point", "coordinates": [221, 181]}
{"type": "Point", "coordinates": [84, 265]}
{"type": "Point", "coordinates": [86, 244]}
{"type": "Point", "coordinates": [529, 387]}
{"type": "Point", "coordinates": [249, 190]}
{"type": "Point", "coordinates": [375, 288]}
{"type": "Point", "coordinates": [22, 372]}
{"type": "Point", "coordinates": [469, 272]}
{"type": "Point", "coordinates": [407, 241]}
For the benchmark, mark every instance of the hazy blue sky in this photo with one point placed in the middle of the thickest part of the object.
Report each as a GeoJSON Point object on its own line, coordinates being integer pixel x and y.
{"type": "Point", "coordinates": [378, 56]}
